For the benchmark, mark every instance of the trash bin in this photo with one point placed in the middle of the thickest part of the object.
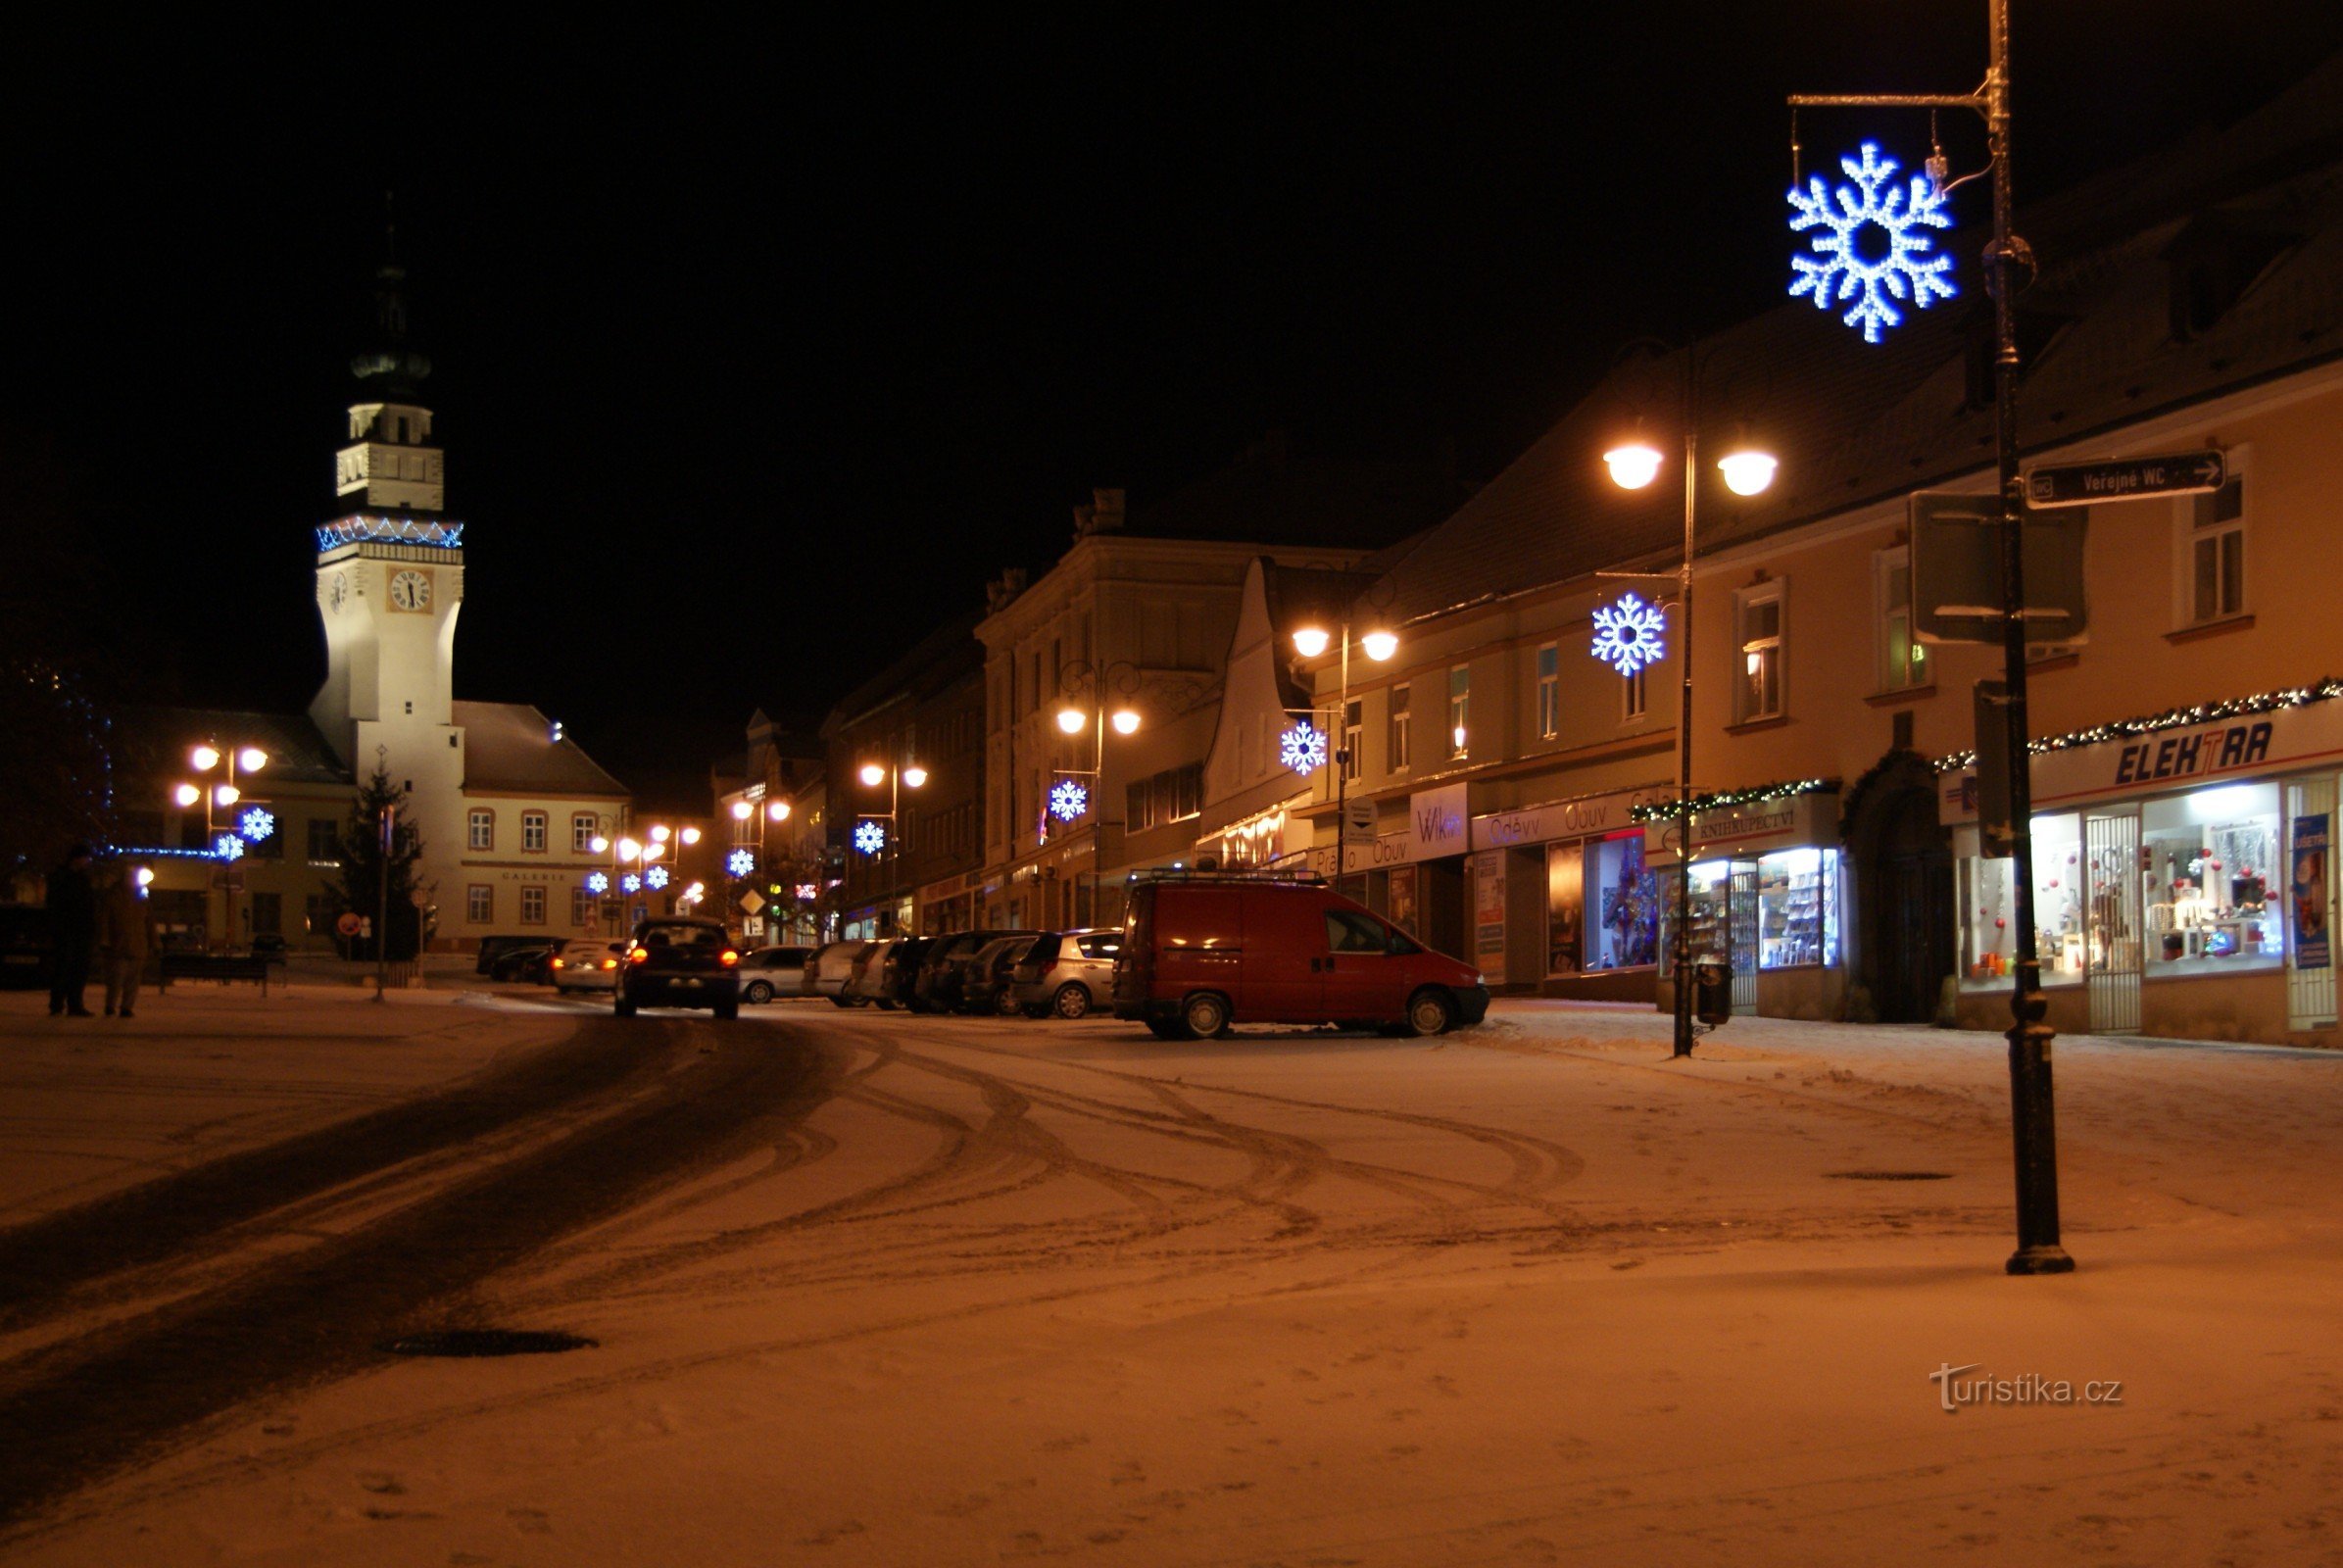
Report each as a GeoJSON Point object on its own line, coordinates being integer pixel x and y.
{"type": "Point", "coordinates": [1712, 992]}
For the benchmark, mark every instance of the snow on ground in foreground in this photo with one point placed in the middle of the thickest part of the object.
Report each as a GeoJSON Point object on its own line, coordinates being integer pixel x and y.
{"type": "Point", "coordinates": [1530, 1293]}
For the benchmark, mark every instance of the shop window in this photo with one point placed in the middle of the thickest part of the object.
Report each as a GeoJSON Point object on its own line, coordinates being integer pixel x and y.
{"type": "Point", "coordinates": [532, 906]}
{"type": "Point", "coordinates": [1903, 660]}
{"type": "Point", "coordinates": [1757, 687]}
{"type": "Point", "coordinates": [1398, 732]}
{"type": "Point", "coordinates": [2216, 555]}
{"type": "Point", "coordinates": [1635, 696]}
{"type": "Point", "coordinates": [1989, 894]}
{"type": "Point", "coordinates": [481, 834]}
{"type": "Point", "coordinates": [1460, 709]}
{"type": "Point", "coordinates": [1549, 692]}
{"type": "Point", "coordinates": [2207, 861]}
{"type": "Point", "coordinates": [1354, 726]}
{"type": "Point", "coordinates": [1797, 908]}
{"type": "Point", "coordinates": [479, 905]}
{"type": "Point", "coordinates": [532, 832]}
{"type": "Point", "coordinates": [581, 832]}
{"type": "Point", "coordinates": [1622, 893]}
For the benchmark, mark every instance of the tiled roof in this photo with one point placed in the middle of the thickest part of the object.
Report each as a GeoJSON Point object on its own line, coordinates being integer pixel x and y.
{"type": "Point", "coordinates": [156, 740]}
{"type": "Point", "coordinates": [510, 745]}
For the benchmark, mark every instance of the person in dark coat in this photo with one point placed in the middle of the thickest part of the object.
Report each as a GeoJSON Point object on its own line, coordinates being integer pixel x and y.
{"type": "Point", "coordinates": [73, 922]}
{"type": "Point", "coordinates": [125, 936]}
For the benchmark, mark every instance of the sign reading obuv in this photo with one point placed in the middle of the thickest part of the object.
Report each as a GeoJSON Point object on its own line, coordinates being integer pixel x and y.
{"type": "Point", "coordinates": [2082, 484]}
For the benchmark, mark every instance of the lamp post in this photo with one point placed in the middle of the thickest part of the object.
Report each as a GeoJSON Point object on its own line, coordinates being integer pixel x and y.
{"type": "Point", "coordinates": [229, 763]}
{"type": "Point", "coordinates": [898, 776]}
{"type": "Point", "coordinates": [1747, 471]}
{"type": "Point", "coordinates": [1076, 676]}
{"type": "Point", "coordinates": [744, 811]}
{"type": "Point", "coordinates": [1377, 644]}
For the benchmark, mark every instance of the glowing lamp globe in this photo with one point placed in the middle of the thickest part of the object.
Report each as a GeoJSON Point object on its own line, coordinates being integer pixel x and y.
{"type": "Point", "coordinates": [1070, 721]}
{"type": "Point", "coordinates": [652, 852]}
{"type": "Point", "coordinates": [1126, 722]}
{"type": "Point", "coordinates": [252, 758]}
{"type": "Point", "coordinates": [914, 776]}
{"type": "Point", "coordinates": [599, 845]}
{"type": "Point", "coordinates": [205, 759]}
{"type": "Point", "coordinates": [629, 849]}
{"type": "Point", "coordinates": [146, 876]}
{"type": "Point", "coordinates": [1379, 646]}
{"type": "Point", "coordinates": [1310, 641]}
{"type": "Point", "coordinates": [741, 810]}
{"type": "Point", "coordinates": [661, 833]}
{"type": "Point", "coordinates": [1746, 472]}
{"type": "Point", "coordinates": [778, 811]}
{"type": "Point", "coordinates": [226, 794]}
{"type": "Point", "coordinates": [873, 774]}
{"type": "Point", "coordinates": [186, 795]}
{"type": "Point", "coordinates": [691, 835]}
{"type": "Point", "coordinates": [1634, 466]}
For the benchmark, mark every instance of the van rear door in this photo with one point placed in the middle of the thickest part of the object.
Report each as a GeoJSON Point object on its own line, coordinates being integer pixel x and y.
{"type": "Point", "coordinates": [1200, 941]}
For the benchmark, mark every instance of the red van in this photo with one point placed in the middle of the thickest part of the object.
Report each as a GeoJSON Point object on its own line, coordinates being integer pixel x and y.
{"type": "Point", "coordinates": [1204, 950]}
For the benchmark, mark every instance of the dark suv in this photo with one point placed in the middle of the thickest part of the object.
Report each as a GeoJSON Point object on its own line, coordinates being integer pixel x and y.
{"type": "Point", "coordinates": [680, 964]}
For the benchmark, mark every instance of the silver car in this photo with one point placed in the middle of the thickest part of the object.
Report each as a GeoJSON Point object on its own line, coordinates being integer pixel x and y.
{"type": "Point", "coordinates": [1067, 974]}
{"type": "Point", "coordinates": [829, 969]}
{"type": "Point", "coordinates": [587, 963]}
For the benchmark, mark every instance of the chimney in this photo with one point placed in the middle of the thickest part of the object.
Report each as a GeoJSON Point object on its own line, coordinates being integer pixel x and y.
{"type": "Point", "coordinates": [1103, 515]}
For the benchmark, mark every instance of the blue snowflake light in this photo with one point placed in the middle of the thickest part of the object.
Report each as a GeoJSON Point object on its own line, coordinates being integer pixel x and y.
{"type": "Point", "coordinates": [598, 882]}
{"type": "Point", "coordinates": [630, 883]}
{"type": "Point", "coordinates": [1626, 634]}
{"type": "Point", "coordinates": [740, 862]}
{"type": "Point", "coordinates": [870, 837]}
{"type": "Point", "coordinates": [1900, 262]}
{"type": "Point", "coordinates": [228, 847]}
{"type": "Point", "coordinates": [1302, 748]}
{"type": "Point", "coordinates": [256, 824]}
{"type": "Point", "coordinates": [1068, 799]}
{"type": "Point", "coordinates": [656, 877]}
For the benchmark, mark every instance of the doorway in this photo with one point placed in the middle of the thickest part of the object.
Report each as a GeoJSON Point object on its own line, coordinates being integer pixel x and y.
{"type": "Point", "coordinates": [2111, 844]}
{"type": "Point", "coordinates": [1906, 886]}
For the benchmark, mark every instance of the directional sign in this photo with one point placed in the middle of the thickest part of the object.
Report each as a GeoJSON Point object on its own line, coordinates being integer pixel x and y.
{"type": "Point", "coordinates": [1956, 572]}
{"type": "Point", "coordinates": [2082, 484]}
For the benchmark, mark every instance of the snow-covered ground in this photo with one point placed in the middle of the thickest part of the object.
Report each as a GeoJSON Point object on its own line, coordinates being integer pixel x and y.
{"type": "Point", "coordinates": [1532, 1292]}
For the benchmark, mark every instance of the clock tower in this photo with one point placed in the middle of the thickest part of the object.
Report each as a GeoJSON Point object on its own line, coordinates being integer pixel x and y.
{"type": "Point", "coordinates": [389, 581]}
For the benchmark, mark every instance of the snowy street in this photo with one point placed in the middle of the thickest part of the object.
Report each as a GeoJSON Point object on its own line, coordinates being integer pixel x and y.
{"type": "Point", "coordinates": [874, 1288]}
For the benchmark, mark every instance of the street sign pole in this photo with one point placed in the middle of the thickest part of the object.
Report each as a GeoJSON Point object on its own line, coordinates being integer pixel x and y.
{"type": "Point", "coordinates": [387, 824]}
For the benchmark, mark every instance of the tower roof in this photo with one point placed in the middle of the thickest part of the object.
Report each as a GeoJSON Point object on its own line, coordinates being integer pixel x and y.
{"type": "Point", "coordinates": [392, 370]}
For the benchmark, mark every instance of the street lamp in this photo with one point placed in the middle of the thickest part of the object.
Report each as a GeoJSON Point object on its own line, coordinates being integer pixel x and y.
{"type": "Point", "coordinates": [1377, 644]}
{"type": "Point", "coordinates": [1079, 678]}
{"type": "Point", "coordinates": [1633, 465]}
{"type": "Point", "coordinates": [229, 764]}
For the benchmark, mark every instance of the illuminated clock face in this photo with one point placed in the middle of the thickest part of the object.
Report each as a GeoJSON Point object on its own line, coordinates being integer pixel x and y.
{"type": "Point", "coordinates": [410, 590]}
{"type": "Point", "coordinates": [337, 593]}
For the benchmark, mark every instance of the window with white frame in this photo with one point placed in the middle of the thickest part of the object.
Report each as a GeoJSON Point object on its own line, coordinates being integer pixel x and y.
{"type": "Point", "coordinates": [2215, 560]}
{"type": "Point", "coordinates": [581, 831]}
{"type": "Point", "coordinates": [1635, 698]}
{"type": "Point", "coordinates": [1757, 676]}
{"type": "Point", "coordinates": [1460, 709]}
{"type": "Point", "coordinates": [532, 832]}
{"type": "Point", "coordinates": [585, 909]}
{"type": "Point", "coordinates": [481, 831]}
{"type": "Point", "coordinates": [1902, 659]}
{"type": "Point", "coordinates": [1397, 741]}
{"type": "Point", "coordinates": [1549, 691]}
{"type": "Point", "coordinates": [479, 905]}
{"type": "Point", "coordinates": [532, 906]}
{"type": "Point", "coordinates": [1354, 726]}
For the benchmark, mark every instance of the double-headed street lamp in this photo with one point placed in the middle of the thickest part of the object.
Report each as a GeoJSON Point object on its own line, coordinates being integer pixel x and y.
{"type": "Point", "coordinates": [1070, 798]}
{"type": "Point", "coordinates": [645, 858]}
{"type": "Point", "coordinates": [251, 825]}
{"type": "Point", "coordinates": [759, 857]}
{"type": "Point", "coordinates": [1627, 638]}
{"type": "Point", "coordinates": [1378, 644]}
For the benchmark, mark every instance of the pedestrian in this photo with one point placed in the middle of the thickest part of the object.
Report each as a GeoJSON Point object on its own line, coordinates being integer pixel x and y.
{"type": "Point", "coordinates": [126, 935]}
{"type": "Point", "coordinates": [73, 924]}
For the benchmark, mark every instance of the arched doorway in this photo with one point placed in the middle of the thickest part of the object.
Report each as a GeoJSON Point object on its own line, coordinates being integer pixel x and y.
{"type": "Point", "coordinates": [1903, 887]}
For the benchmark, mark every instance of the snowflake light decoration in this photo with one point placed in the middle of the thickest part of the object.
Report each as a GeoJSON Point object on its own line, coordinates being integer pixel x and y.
{"type": "Point", "coordinates": [740, 862]}
{"type": "Point", "coordinates": [1302, 748]}
{"type": "Point", "coordinates": [656, 877]}
{"type": "Point", "coordinates": [598, 882]}
{"type": "Point", "coordinates": [256, 824]}
{"type": "Point", "coordinates": [228, 847]}
{"type": "Point", "coordinates": [1626, 634]}
{"type": "Point", "coordinates": [1068, 799]}
{"type": "Point", "coordinates": [1910, 267]}
{"type": "Point", "coordinates": [870, 837]}
{"type": "Point", "coordinates": [630, 883]}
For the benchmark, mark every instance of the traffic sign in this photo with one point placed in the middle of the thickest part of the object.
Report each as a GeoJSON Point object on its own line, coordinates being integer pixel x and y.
{"type": "Point", "coordinates": [349, 924]}
{"type": "Point", "coordinates": [750, 902]}
{"type": "Point", "coordinates": [1956, 572]}
{"type": "Point", "coordinates": [2082, 484]}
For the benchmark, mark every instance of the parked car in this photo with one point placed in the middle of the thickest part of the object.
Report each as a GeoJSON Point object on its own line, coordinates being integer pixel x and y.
{"type": "Point", "coordinates": [771, 972]}
{"type": "Point", "coordinates": [829, 969]}
{"type": "Point", "coordinates": [27, 948]}
{"type": "Point", "coordinates": [529, 966]}
{"type": "Point", "coordinates": [587, 964]}
{"type": "Point", "coordinates": [864, 977]}
{"type": "Point", "coordinates": [984, 988]}
{"type": "Point", "coordinates": [494, 948]}
{"type": "Point", "coordinates": [902, 969]}
{"type": "Point", "coordinates": [1204, 950]}
{"type": "Point", "coordinates": [270, 945]}
{"type": "Point", "coordinates": [680, 963]}
{"type": "Point", "coordinates": [1067, 974]}
{"type": "Point", "coordinates": [945, 971]}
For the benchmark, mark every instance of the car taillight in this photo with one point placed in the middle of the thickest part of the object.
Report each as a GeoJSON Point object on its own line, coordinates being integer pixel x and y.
{"type": "Point", "coordinates": [637, 956]}
{"type": "Point", "coordinates": [559, 964]}
{"type": "Point", "coordinates": [730, 957]}
{"type": "Point", "coordinates": [610, 963]}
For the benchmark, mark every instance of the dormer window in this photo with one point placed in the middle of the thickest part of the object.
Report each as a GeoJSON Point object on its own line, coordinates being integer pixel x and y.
{"type": "Point", "coordinates": [2215, 260]}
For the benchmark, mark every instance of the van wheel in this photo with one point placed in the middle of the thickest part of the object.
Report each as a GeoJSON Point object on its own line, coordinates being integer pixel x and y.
{"type": "Point", "coordinates": [1072, 999]}
{"type": "Point", "coordinates": [1206, 1013]}
{"type": "Point", "coordinates": [1430, 1011]}
{"type": "Point", "coordinates": [758, 992]}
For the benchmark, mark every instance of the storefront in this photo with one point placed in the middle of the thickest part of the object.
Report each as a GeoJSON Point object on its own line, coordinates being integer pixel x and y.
{"type": "Point", "coordinates": [1415, 876]}
{"type": "Point", "coordinates": [1767, 895]}
{"type": "Point", "coordinates": [2181, 878]}
{"type": "Point", "coordinates": [1566, 901]}
{"type": "Point", "coordinates": [950, 905]}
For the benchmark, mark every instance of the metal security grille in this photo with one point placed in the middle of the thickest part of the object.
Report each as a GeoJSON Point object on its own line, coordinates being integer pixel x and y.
{"type": "Point", "coordinates": [2112, 849]}
{"type": "Point", "coordinates": [1742, 910]}
{"type": "Point", "coordinates": [2309, 992]}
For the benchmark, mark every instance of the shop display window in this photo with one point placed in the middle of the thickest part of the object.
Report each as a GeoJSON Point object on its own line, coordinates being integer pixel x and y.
{"type": "Point", "coordinates": [1623, 899]}
{"type": "Point", "coordinates": [1797, 908]}
{"type": "Point", "coordinates": [1989, 907]}
{"type": "Point", "coordinates": [1723, 914]}
{"type": "Point", "coordinates": [2208, 861]}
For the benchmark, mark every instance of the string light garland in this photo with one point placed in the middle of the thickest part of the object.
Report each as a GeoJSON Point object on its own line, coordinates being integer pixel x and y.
{"type": "Point", "coordinates": [2118, 729]}
{"type": "Point", "coordinates": [364, 530]}
{"type": "Point", "coordinates": [1727, 800]}
{"type": "Point", "coordinates": [1910, 268]}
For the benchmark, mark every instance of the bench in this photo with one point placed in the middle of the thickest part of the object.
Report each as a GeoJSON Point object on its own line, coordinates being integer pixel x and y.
{"type": "Point", "coordinates": [215, 966]}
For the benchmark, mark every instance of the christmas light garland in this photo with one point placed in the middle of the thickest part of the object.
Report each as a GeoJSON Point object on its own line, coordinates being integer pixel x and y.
{"type": "Point", "coordinates": [2118, 729]}
{"type": "Point", "coordinates": [1727, 800]}
{"type": "Point", "coordinates": [394, 530]}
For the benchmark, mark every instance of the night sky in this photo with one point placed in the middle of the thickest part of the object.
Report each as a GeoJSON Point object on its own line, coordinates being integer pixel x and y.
{"type": "Point", "coordinates": [771, 348]}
